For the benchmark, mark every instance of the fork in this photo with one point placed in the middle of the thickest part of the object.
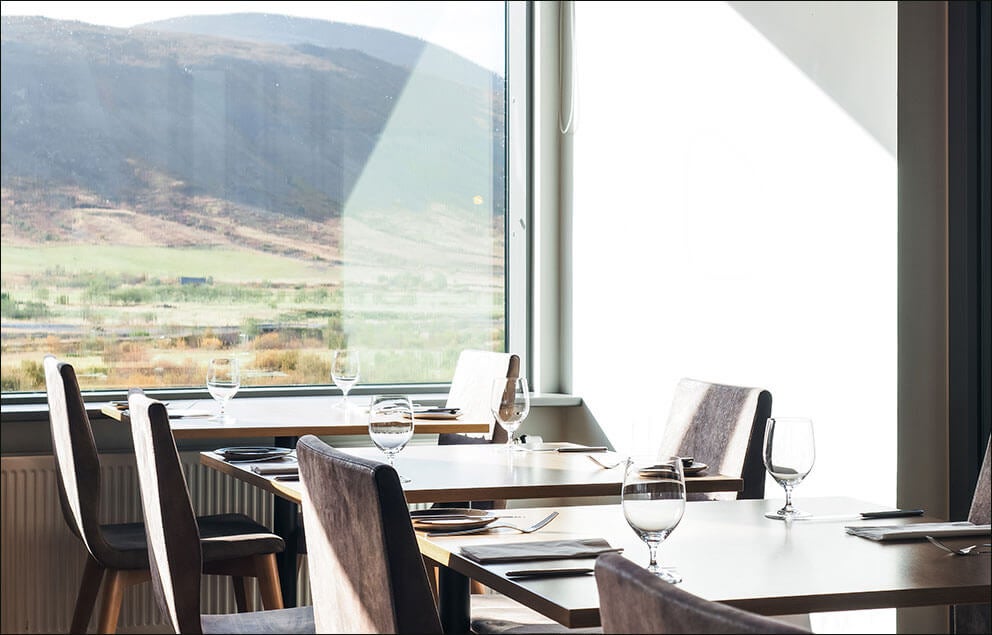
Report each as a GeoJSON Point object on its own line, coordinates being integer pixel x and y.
{"type": "Point", "coordinates": [964, 551]}
{"type": "Point", "coordinates": [478, 530]}
{"type": "Point", "coordinates": [607, 465]}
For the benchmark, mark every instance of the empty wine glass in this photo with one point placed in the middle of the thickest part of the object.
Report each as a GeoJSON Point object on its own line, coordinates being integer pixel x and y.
{"type": "Point", "coordinates": [391, 425]}
{"type": "Point", "coordinates": [345, 368]}
{"type": "Point", "coordinates": [510, 404]}
{"type": "Point", "coordinates": [653, 501]}
{"type": "Point", "coordinates": [789, 455]}
{"type": "Point", "coordinates": [223, 381]}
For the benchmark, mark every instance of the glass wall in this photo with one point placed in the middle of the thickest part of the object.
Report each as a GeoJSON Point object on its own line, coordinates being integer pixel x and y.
{"type": "Point", "coordinates": [269, 179]}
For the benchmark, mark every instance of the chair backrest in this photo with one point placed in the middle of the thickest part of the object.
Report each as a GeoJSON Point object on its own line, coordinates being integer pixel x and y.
{"type": "Point", "coordinates": [471, 386]}
{"type": "Point", "coordinates": [981, 502]}
{"type": "Point", "coordinates": [76, 460]}
{"type": "Point", "coordinates": [170, 522]}
{"type": "Point", "coordinates": [722, 426]}
{"type": "Point", "coordinates": [634, 600]}
{"type": "Point", "coordinates": [366, 571]}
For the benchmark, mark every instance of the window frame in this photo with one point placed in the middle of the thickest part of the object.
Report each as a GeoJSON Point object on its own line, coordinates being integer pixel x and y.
{"type": "Point", "coordinates": [517, 244]}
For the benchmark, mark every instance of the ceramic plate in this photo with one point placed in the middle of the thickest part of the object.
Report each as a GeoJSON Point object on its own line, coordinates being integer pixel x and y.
{"type": "Point", "coordinates": [252, 453]}
{"type": "Point", "coordinates": [450, 518]}
{"type": "Point", "coordinates": [660, 470]}
{"type": "Point", "coordinates": [695, 468]}
{"type": "Point", "coordinates": [437, 413]}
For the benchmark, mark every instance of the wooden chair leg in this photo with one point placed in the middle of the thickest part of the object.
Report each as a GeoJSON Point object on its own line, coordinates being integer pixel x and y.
{"type": "Point", "coordinates": [267, 573]}
{"type": "Point", "coordinates": [89, 588]}
{"type": "Point", "coordinates": [240, 585]}
{"type": "Point", "coordinates": [476, 586]}
{"type": "Point", "coordinates": [113, 596]}
{"type": "Point", "coordinates": [432, 573]}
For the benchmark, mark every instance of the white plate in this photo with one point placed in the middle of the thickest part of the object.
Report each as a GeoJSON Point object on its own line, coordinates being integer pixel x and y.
{"type": "Point", "coordinates": [248, 454]}
{"type": "Point", "coordinates": [450, 518]}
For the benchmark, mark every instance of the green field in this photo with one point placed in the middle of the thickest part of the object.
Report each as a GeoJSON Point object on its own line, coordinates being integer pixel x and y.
{"type": "Point", "coordinates": [233, 265]}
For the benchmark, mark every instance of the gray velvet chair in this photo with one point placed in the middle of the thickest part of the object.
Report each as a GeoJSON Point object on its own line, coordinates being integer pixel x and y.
{"type": "Point", "coordinates": [722, 426]}
{"type": "Point", "coordinates": [977, 618]}
{"type": "Point", "coordinates": [117, 555]}
{"type": "Point", "coordinates": [632, 600]}
{"type": "Point", "coordinates": [366, 571]}
{"type": "Point", "coordinates": [176, 547]}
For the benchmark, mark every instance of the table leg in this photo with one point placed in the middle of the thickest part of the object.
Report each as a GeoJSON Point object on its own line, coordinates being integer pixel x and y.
{"type": "Point", "coordinates": [454, 603]}
{"type": "Point", "coordinates": [286, 525]}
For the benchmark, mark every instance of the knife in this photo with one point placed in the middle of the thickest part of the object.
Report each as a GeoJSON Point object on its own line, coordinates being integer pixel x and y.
{"type": "Point", "coordinates": [893, 513]}
{"type": "Point", "coordinates": [547, 573]}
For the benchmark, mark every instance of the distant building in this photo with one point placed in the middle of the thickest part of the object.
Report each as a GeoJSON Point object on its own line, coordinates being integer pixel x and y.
{"type": "Point", "coordinates": [191, 280]}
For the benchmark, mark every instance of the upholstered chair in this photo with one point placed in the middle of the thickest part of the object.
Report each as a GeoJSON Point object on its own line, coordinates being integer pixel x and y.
{"type": "Point", "coordinates": [471, 387]}
{"type": "Point", "coordinates": [117, 555]}
{"type": "Point", "coordinates": [176, 547]}
{"type": "Point", "coordinates": [633, 600]}
{"type": "Point", "coordinates": [366, 571]}
{"type": "Point", "coordinates": [722, 426]}
{"type": "Point", "coordinates": [977, 618]}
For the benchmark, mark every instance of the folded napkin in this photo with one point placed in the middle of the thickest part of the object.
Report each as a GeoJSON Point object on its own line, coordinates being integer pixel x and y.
{"type": "Point", "coordinates": [543, 550]}
{"type": "Point", "coordinates": [269, 470]}
{"type": "Point", "coordinates": [918, 530]}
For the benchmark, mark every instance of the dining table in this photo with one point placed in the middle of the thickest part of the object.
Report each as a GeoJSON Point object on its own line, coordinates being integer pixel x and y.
{"type": "Point", "coordinates": [726, 551]}
{"type": "Point", "coordinates": [455, 473]}
{"type": "Point", "coordinates": [283, 418]}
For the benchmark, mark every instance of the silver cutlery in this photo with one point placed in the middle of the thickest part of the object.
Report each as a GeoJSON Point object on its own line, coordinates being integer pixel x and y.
{"type": "Point", "coordinates": [963, 551]}
{"type": "Point", "coordinates": [478, 530]}
{"type": "Point", "coordinates": [548, 573]}
{"type": "Point", "coordinates": [603, 462]}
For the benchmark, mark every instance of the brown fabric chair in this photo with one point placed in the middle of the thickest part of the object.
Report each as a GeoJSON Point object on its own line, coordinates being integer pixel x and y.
{"type": "Point", "coordinates": [176, 547]}
{"type": "Point", "coordinates": [977, 618]}
{"type": "Point", "coordinates": [366, 571]}
{"type": "Point", "coordinates": [117, 555]}
{"type": "Point", "coordinates": [722, 426]}
{"type": "Point", "coordinates": [632, 600]}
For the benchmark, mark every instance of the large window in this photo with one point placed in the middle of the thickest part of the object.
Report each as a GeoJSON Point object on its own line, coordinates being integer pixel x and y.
{"type": "Point", "coordinates": [275, 180]}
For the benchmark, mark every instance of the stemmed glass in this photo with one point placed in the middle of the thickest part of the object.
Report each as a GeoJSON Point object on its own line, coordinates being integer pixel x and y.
{"type": "Point", "coordinates": [345, 368]}
{"type": "Point", "coordinates": [653, 501]}
{"type": "Point", "coordinates": [223, 381]}
{"type": "Point", "coordinates": [789, 455]}
{"type": "Point", "coordinates": [391, 425]}
{"type": "Point", "coordinates": [510, 404]}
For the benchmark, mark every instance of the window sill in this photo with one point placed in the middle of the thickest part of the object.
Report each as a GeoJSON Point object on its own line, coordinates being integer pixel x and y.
{"type": "Point", "coordinates": [35, 408]}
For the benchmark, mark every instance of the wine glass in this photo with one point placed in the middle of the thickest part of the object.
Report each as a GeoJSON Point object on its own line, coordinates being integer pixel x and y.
{"type": "Point", "coordinates": [653, 501]}
{"type": "Point", "coordinates": [510, 404]}
{"type": "Point", "coordinates": [391, 425]}
{"type": "Point", "coordinates": [223, 381]}
{"type": "Point", "coordinates": [345, 368]}
{"type": "Point", "coordinates": [789, 455]}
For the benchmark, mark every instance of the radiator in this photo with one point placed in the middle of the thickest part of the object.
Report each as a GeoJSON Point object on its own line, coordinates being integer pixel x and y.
{"type": "Point", "coordinates": [41, 561]}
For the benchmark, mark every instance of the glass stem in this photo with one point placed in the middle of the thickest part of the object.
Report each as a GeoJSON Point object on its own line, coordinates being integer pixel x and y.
{"type": "Point", "coordinates": [653, 556]}
{"type": "Point", "coordinates": [788, 499]}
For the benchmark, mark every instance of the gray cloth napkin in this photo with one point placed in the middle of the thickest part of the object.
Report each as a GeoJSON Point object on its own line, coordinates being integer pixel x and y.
{"type": "Point", "coordinates": [543, 550]}
{"type": "Point", "coordinates": [918, 530]}
{"type": "Point", "coordinates": [269, 470]}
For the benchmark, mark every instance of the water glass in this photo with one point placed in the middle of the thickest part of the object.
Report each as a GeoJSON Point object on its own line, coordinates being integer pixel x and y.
{"type": "Point", "coordinates": [391, 425]}
{"type": "Point", "coordinates": [223, 381]}
{"type": "Point", "coordinates": [789, 455]}
{"type": "Point", "coordinates": [653, 501]}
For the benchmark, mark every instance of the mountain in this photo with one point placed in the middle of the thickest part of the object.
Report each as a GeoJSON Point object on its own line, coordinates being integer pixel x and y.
{"type": "Point", "coordinates": [275, 115]}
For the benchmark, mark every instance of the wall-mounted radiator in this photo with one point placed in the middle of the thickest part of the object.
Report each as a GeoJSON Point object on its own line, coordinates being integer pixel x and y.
{"type": "Point", "coordinates": [42, 562]}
